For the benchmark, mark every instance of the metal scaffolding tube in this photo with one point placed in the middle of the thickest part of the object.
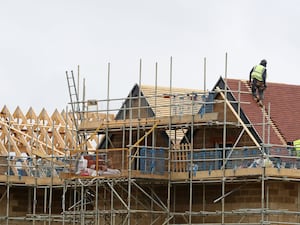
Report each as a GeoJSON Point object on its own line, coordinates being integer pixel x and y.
{"type": "Point", "coordinates": [129, 200]}
{"type": "Point", "coordinates": [169, 141]}
{"type": "Point", "coordinates": [224, 141]}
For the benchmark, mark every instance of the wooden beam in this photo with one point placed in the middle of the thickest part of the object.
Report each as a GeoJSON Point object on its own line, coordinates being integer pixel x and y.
{"type": "Point", "coordinates": [139, 141]}
{"type": "Point", "coordinates": [160, 121]}
{"type": "Point", "coordinates": [26, 135]}
{"type": "Point", "coordinates": [238, 117]}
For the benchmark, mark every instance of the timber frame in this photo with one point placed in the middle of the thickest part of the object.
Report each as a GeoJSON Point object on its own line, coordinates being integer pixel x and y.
{"type": "Point", "coordinates": [174, 168]}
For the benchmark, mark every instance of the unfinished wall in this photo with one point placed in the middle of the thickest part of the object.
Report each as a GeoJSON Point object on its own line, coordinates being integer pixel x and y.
{"type": "Point", "coordinates": [21, 204]}
{"type": "Point", "coordinates": [210, 137]}
{"type": "Point", "coordinates": [245, 200]}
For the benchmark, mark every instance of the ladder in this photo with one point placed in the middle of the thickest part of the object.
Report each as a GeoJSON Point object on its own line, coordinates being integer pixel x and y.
{"type": "Point", "coordinates": [74, 101]}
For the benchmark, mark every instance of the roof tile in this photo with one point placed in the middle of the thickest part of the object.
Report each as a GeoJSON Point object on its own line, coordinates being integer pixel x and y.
{"type": "Point", "coordinates": [282, 102]}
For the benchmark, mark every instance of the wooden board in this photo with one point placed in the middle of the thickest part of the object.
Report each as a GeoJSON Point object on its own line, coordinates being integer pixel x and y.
{"type": "Point", "coordinates": [161, 121]}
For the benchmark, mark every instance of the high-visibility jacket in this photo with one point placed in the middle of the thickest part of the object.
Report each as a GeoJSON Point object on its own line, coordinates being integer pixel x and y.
{"type": "Point", "coordinates": [258, 72]}
{"type": "Point", "coordinates": [297, 146]}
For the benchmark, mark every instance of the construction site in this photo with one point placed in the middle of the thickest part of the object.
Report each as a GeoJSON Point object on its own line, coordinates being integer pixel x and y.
{"type": "Point", "coordinates": [167, 155]}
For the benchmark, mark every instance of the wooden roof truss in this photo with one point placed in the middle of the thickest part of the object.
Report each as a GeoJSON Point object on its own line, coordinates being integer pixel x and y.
{"type": "Point", "coordinates": [37, 140]}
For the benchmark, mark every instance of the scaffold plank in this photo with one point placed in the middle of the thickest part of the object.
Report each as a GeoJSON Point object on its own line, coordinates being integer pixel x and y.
{"type": "Point", "coordinates": [161, 121]}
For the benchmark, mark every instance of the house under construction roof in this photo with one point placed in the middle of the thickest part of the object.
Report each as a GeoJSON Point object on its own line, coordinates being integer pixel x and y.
{"type": "Point", "coordinates": [167, 156]}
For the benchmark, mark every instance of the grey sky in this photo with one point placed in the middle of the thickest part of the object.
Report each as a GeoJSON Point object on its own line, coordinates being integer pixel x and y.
{"type": "Point", "coordinates": [40, 40]}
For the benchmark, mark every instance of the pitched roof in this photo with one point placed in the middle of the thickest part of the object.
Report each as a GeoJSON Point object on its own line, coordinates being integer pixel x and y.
{"type": "Point", "coordinates": [165, 101]}
{"type": "Point", "coordinates": [282, 102]}
{"type": "Point", "coordinates": [181, 100]}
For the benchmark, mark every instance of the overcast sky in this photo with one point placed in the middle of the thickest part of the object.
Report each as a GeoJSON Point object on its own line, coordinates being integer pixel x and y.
{"type": "Point", "coordinates": [41, 40]}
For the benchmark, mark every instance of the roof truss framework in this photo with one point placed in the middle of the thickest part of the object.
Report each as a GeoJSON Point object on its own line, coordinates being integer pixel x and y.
{"type": "Point", "coordinates": [41, 136]}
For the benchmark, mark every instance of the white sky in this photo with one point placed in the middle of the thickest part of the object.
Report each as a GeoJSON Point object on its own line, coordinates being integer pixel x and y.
{"type": "Point", "coordinates": [40, 40]}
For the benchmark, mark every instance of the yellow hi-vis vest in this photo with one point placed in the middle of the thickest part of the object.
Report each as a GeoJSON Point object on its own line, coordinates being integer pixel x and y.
{"type": "Point", "coordinates": [297, 146]}
{"type": "Point", "coordinates": [258, 72]}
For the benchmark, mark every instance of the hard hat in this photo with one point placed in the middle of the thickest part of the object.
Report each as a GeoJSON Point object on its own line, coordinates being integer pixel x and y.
{"type": "Point", "coordinates": [263, 62]}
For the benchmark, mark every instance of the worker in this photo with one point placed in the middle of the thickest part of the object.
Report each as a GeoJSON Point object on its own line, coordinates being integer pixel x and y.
{"type": "Point", "coordinates": [297, 146]}
{"type": "Point", "coordinates": [257, 79]}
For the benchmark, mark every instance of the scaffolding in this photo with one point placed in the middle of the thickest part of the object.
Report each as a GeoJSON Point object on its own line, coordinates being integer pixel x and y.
{"type": "Point", "coordinates": [166, 156]}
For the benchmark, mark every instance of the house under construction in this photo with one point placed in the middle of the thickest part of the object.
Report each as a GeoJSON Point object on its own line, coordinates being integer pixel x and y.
{"type": "Point", "coordinates": [166, 156]}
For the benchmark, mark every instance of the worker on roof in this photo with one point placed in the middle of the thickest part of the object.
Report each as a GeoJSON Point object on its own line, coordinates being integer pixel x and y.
{"type": "Point", "coordinates": [257, 79]}
{"type": "Point", "coordinates": [297, 146]}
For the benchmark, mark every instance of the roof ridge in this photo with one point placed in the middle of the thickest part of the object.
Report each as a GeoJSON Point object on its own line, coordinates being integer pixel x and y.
{"type": "Point", "coordinates": [268, 82]}
{"type": "Point", "coordinates": [143, 86]}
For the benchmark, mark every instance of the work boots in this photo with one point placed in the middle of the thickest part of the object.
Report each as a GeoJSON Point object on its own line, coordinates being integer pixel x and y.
{"type": "Point", "coordinates": [258, 101]}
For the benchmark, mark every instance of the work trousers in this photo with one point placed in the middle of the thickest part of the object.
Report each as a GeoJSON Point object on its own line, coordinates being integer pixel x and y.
{"type": "Point", "coordinates": [257, 88]}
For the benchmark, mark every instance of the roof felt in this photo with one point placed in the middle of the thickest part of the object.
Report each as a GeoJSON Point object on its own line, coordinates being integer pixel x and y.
{"type": "Point", "coordinates": [282, 101]}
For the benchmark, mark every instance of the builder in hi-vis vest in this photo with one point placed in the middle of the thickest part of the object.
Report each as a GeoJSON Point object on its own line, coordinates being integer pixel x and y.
{"type": "Point", "coordinates": [297, 146]}
{"type": "Point", "coordinates": [257, 79]}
